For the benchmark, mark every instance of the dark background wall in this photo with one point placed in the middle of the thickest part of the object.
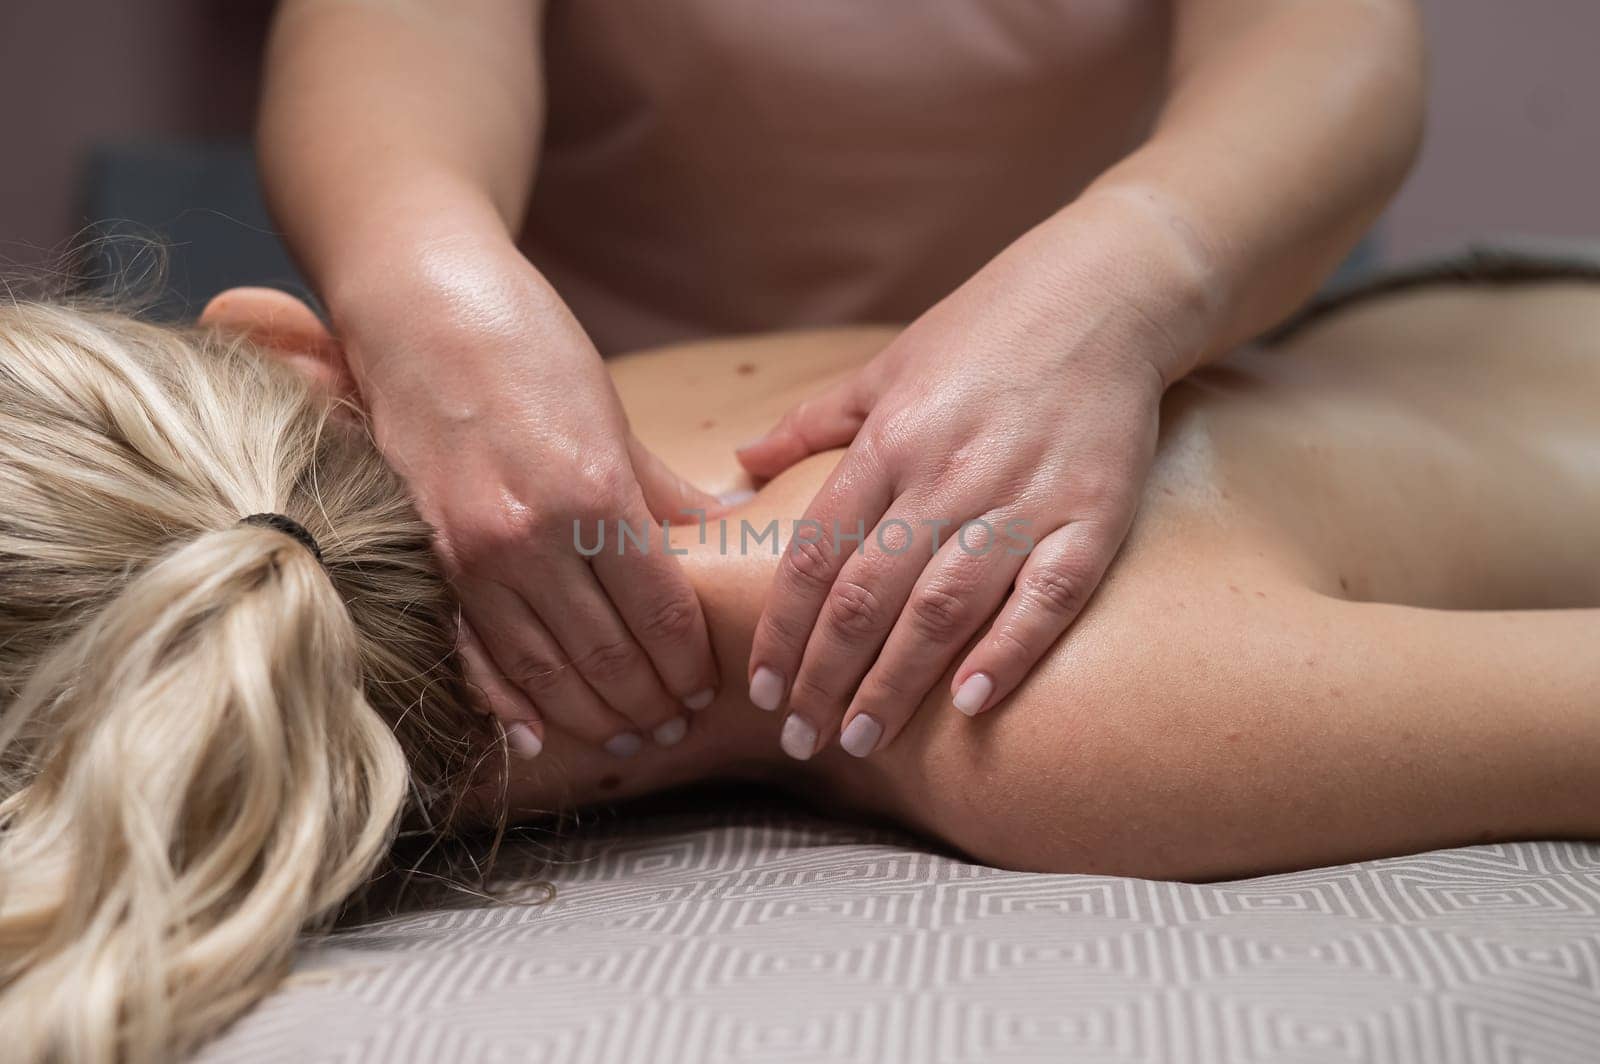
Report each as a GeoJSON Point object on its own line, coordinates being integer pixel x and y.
{"type": "Point", "coordinates": [75, 73]}
{"type": "Point", "coordinates": [1514, 143]}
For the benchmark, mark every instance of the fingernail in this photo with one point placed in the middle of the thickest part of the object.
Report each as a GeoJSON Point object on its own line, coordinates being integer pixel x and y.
{"type": "Point", "coordinates": [701, 699]}
{"type": "Point", "coordinates": [766, 688]}
{"type": "Point", "coordinates": [625, 745]}
{"type": "Point", "coordinates": [973, 693]}
{"type": "Point", "coordinates": [799, 737]}
{"type": "Point", "coordinates": [524, 741]}
{"type": "Point", "coordinates": [734, 498]}
{"type": "Point", "coordinates": [860, 735]}
{"type": "Point", "coordinates": [672, 732]}
{"type": "Point", "coordinates": [747, 444]}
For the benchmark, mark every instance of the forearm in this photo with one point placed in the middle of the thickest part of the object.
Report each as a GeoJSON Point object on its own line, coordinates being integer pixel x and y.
{"type": "Point", "coordinates": [388, 127]}
{"type": "Point", "coordinates": [1288, 127]}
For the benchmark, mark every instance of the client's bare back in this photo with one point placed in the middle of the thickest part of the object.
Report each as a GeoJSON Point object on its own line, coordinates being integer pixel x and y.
{"type": "Point", "coordinates": [1284, 667]}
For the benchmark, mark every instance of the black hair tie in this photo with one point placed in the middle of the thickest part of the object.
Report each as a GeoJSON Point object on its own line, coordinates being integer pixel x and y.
{"type": "Point", "coordinates": [289, 527]}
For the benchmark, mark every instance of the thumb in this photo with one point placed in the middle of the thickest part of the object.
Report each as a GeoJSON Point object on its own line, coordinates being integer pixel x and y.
{"type": "Point", "coordinates": [824, 421]}
{"type": "Point", "coordinates": [667, 495]}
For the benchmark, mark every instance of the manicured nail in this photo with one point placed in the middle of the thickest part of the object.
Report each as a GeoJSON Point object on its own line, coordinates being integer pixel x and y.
{"type": "Point", "coordinates": [734, 498]}
{"type": "Point", "coordinates": [799, 739]}
{"type": "Point", "coordinates": [625, 745]}
{"type": "Point", "coordinates": [766, 688]}
{"type": "Point", "coordinates": [860, 735]}
{"type": "Point", "coordinates": [973, 693]}
{"type": "Point", "coordinates": [672, 732]}
{"type": "Point", "coordinates": [700, 699]}
{"type": "Point", "coordinates": [524, 741]}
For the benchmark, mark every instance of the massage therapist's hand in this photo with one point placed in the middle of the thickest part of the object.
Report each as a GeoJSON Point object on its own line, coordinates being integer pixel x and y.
{"type": "Point", "coordinates": [489, 399]}
{"type": "Point", "coordinates": [1027, 400]}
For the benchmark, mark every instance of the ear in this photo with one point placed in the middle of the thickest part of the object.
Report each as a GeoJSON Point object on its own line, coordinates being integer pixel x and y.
{"type": "Point", "coordinates": [284, 327]}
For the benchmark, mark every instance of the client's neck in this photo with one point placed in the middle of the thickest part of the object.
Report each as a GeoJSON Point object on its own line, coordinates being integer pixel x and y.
{"type": "Point", "coordinates": [729, 740]}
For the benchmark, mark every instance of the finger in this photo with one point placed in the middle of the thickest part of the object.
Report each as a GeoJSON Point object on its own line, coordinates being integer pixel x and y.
{"type": "Point", "coordinates": [852, 500]}
{"type": "Point", "coordinates": [497, 698]}
{"type": "Point", "coordinates": [658, 605]}
{"type": "Point", "coordinates": [858, 612]}
{"type": "Point", "coordinates": [524, 652]}
{"type": "Point", "coordinates": [966, 583]}
{"type": "Point", "coordinates": [1052, 588]}
{"type": "Point", "coordinates": [667, 495]}
{"type": "Point", "coordinates": [827, 420]}
{"type": "Point", "coordinates": [569, 599]}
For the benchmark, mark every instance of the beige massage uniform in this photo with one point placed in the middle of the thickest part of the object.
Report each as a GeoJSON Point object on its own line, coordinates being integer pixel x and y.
{"type": "Point", "coordinates": [723, 166]}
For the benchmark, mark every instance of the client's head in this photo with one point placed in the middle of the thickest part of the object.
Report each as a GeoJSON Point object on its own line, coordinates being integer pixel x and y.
{"type": "Point", "coordinates": [207, 736]}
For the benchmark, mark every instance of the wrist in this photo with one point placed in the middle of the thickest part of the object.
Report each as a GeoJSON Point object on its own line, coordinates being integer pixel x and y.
{"type": "Point", "coordinates": [1144, 259]}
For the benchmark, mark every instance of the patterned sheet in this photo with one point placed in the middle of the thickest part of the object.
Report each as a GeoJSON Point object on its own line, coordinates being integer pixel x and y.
{"type": "Point", "coordinates": [764, 934]}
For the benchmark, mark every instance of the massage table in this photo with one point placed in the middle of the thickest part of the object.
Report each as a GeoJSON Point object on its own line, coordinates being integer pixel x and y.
{"type": "Point", "coordinates": [751, 931]}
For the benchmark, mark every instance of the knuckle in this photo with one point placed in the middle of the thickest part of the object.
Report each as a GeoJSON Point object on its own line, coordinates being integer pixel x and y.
{"type": "Point", "coordinates": [597, 493]}
{"type": "Point", "coordinates": [878, 436]}
{"type": "Point", "coordinates": [482, 539]}
{"type": "Point", "coordinates": [853, 609]}
{"type": "Point", "coordinates": [892, 430]}
{"type": "Point", "coordinates": [538, 674]}
{"type": "Point", "coordinates": [606, 476]}
{"type": "Point", "coordinates": [808, 561]}
{"type": "Point", "coordinates": [938, 614]}
{"type": "Point", "coordinates": [884, 455]}
{"type": "Point", "coordinates": [609, 661]}
{"type": "Point", "coordinates": [954, 466]}
{"type": "Point", "coordinates": [669, 622]}
{"type": "Point", "coordinates": [799, 416]}
{"type": "Point", "coordinates": [784, 630]}
{"type": "Point", "coordinates": [1011, 647]}
{"type": "Point", "coordinates": [1056, 589]}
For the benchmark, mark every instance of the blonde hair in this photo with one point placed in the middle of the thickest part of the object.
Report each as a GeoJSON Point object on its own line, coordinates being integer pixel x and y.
{"type": "Point", "coordinates": [208, 739]}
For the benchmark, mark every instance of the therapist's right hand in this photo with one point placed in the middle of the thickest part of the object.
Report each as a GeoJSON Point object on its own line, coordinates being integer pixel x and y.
{"type": "Point", "coordinates": [491, 402]}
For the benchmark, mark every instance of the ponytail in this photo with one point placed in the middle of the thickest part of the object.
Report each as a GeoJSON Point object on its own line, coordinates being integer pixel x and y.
{"type": "Point", "coordinates": [208, 779]}
{"type": "Point", "coordinates": [208, 738]}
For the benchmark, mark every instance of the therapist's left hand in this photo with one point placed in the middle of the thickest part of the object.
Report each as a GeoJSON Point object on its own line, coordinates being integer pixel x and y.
{"type": "Point", "coordinates": [1027, 400]}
